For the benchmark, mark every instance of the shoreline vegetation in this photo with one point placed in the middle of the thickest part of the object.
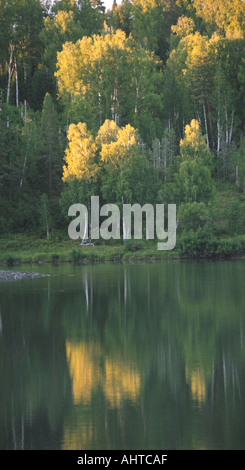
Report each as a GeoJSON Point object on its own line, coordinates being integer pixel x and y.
{"type": "Point", "coordinates": [194, 240]}
{"type": "Point", "coordinates": [24, 249]}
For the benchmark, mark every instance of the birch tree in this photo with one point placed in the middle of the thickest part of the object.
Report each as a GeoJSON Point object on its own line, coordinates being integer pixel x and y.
{"type": "Point", "coordinates": [109, 77]}
{"type": "Point", "coordinates": [223, 16]}
{"type": "Point", "coordinates": [80, 156]}
{"type": "Point", "coordinates": [22, 49]}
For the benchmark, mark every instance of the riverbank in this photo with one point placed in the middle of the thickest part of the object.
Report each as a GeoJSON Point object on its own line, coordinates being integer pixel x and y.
{"type": "Point", "coordinates": [26, 249]}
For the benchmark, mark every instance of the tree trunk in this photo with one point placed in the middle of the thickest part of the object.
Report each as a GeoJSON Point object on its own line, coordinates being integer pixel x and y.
{"type": "Point", "coordinates": [206, 125]}
{"type": "Point", "coordinates": [10, 70]}
{"type": "Point", "coordinates": [23, 170]}
{"type": "Point", "coordinates": [50, 166]}
{"type": "Point", "coordinates": [237, 176]}
{"type": "Point", "coordinates": [46, 219]}
{"type": "Point", "coordinates": [16, 85]}
{"type": "Point", "coordinates": [219, 134]}
{"type": "Point", "coordinates": [226, 125]}
{"type": "Point", "coordinates": [210, 125]}
{"type": "Point", "coordinates": [231, 128]}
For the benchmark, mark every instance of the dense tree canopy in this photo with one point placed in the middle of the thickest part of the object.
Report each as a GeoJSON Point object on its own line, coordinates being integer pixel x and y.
{"type": "Point", "coordinates": [109, 77]}
{"type": "Point", "coordinates": [142, 101]}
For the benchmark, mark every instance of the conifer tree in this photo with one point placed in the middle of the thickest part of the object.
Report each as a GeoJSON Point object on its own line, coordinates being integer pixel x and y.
{"type": "Point", "coordinates": [51, 146]}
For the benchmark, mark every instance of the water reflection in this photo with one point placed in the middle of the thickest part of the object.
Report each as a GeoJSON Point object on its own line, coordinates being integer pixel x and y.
{"type": "Point", "coordinates": [90, 369]}
{"type": "Point", "coordinates": [124, 357]}
{"type": "Point", "coordinates": [196, 381]}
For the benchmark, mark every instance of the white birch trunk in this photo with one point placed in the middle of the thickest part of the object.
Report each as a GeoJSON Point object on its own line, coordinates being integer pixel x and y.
{"type": "Point", "coordinates": [231, 128]}
{"type": "Point", "coordinates": [16, 85]}
{"type": "Point", "coordinates": [226, 125]}
{"type": "Point", "coordinates": [159, 154]}
{"type": "Point", "coordinates": [23, 170]}
{"type": "Point", "coordinates": [47, 225]}
{"type": "Point", "coordinates": [206, 124]}
{"type": "Point", "coordinates": [219, 134]}
{"type": "Point", "coordinates": [10, 71]}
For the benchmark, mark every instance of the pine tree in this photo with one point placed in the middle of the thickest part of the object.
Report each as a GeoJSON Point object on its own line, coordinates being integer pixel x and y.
{"type": "Point", "coordinates": [51, 146]}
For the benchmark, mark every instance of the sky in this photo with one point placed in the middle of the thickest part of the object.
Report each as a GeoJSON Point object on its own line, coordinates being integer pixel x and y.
{"type": "Point", "coordinates": [108, 3]}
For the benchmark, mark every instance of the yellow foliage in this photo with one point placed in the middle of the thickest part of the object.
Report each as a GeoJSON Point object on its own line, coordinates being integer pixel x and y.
{"type": "Point", "coordinates": [226, 16]}
{"type": "Point", "coordinates": [146, 5]}
{"type": "Point", "coordinates": [107, 132]}
{"type": "Point", "coordinates": [192, 135]}
{"type": "Point", "coordinates": [80, 154]}
{"type": "Point", "coordinates": [112, 144]}
{"type": "Point", "coordinates": [118, 150]}
{"type": "Point", "coordinates": [194, 144]}
{"type": "Point", "coordinates": [78, 64]}
{"type": "Point", "coordinates": [184, 27]}
{"type": "Point", "coordinates": [62, 20]}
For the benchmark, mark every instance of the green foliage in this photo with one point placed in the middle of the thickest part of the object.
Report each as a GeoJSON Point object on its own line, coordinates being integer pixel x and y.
{"type": "Point", "coordinates": [77, 256]}
{"type": "Point", "coordinates": [193, 216]}
{"type": "Point", "coordinates": [201, 244]}
{"type": "Point", "coordinates": [120, 16]}
{"type": "Point", "coordinates": [151, 24]}
{"type": "Point", "coordinates": [141, 104]}
{"type": "Point", "coordinates": [45, 219]}
{"type": "Point", "coordinates": [223, 16]}
{"type": "Point", "coordinates": [193, 183]}
{"type": "Point", "coordinates": [51, 145]}
{"type": "Point", "coordinates": [239, 165]}
{"type": "Point", "coordinates": [75, 192]}
{"type": "Point", "coordinates": [56, 32]}
{"type": "Point", "coordinates": [194, 146]}
{"type": "Point", "coordinates": [133, 245]}
{"type": "Point", "coordinates": [198, 243]}
{"type": "Point", "coordinates": [111, 77]}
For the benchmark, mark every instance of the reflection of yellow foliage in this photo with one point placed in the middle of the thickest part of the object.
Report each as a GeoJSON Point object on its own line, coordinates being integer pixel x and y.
{"type": "Point", "coordinates": [116, 378]}
{"type": "Point", "coordinates": [196, 380]}
{"type": "Point", "coordinates": [84, 369]}
{"type": "Point", "coordinates": [78, 440]}
{"type": "Point", "coordinates": [120, 381]}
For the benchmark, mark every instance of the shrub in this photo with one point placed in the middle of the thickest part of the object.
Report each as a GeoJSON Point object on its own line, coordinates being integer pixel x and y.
{"type": "Point", "coordinates": [10, 260]}
{"type": "Point", "coordinates": [199, 243]}
{"type": "Point", "coordinates": [203, 245]}
{"type": "Point", "coordinates": [133, 245]}
{"type": "Point", "coordinates": [194, 215]}
{"type": "Point", "coordinates": [77, 256]}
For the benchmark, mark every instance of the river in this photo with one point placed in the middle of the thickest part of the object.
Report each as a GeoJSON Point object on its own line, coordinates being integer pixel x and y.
{"type": "Point", "coordinates": [131, 356]}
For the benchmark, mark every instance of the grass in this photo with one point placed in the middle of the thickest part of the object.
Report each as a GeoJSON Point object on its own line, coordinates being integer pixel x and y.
{"type": "Point", "coordinates": [19, 248]}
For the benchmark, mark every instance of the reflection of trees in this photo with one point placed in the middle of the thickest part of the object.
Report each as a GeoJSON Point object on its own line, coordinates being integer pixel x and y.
{"type": "Point", "coordinates": [170, 321]}
{"type": "Point", "coordinates": [152, 356]}
{"type": "Point", "coordinates": [35, 384]}
{"type": "Point", "coordinates": [90, 368]}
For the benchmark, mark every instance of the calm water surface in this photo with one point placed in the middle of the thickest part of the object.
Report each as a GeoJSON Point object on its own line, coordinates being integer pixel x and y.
{"type": "Point", "coordinates": [146, 356]}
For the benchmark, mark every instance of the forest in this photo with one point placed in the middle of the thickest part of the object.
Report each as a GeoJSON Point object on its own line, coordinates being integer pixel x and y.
{"type": "Point", "coordinates": [140, 103]}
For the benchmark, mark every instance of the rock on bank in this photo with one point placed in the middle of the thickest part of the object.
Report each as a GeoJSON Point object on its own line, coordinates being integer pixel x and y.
{"type": "Point", "coordinates": [14, 275]}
